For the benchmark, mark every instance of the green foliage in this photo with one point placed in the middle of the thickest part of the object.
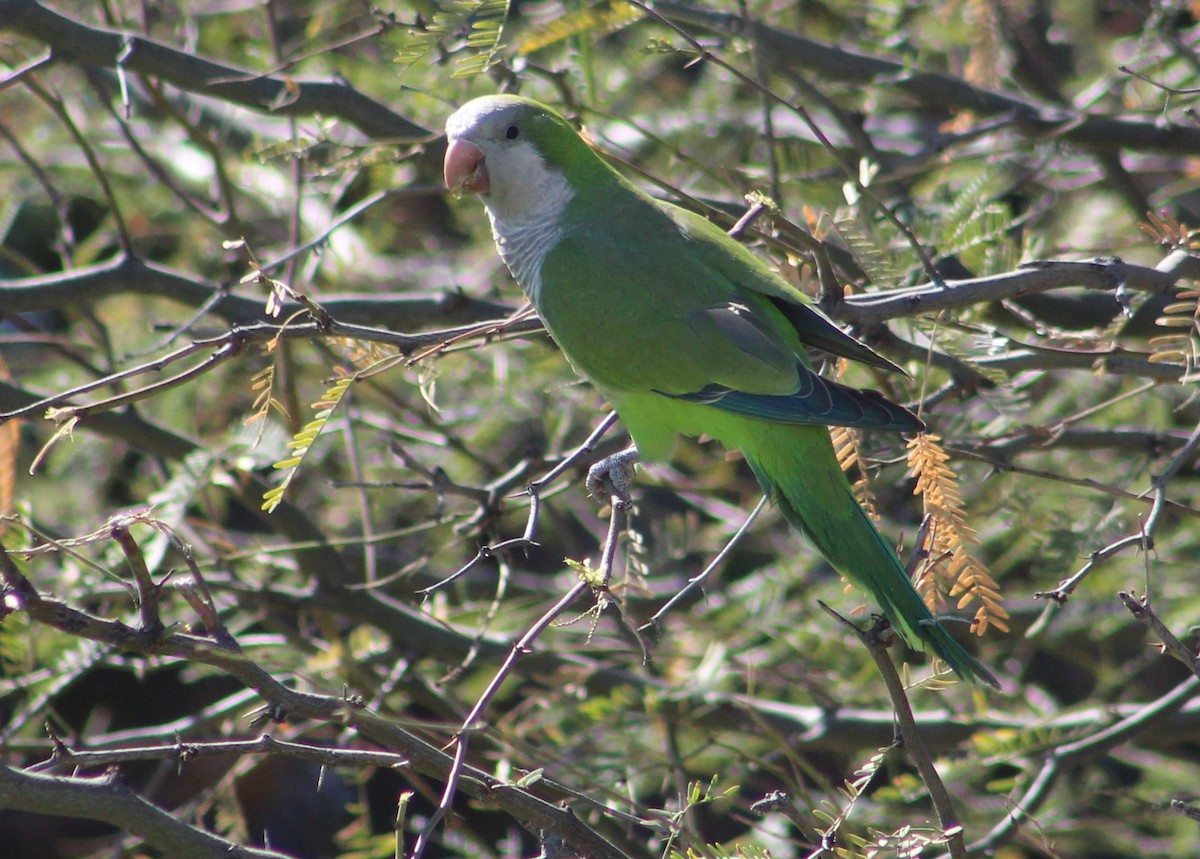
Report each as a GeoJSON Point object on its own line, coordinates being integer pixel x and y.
{"type": "Point", "coordinates": [875, 255]}
{"type": "Point", "coordinates": [717, 851]}
{"type": "Point", "coordinates": [975, 227]}
{"type": "Point", "coordinates": [303, 440]}
{"type": "Point", "coordinates": [477, 26]}
{"type": "Point", "coordinates": [375, 594]}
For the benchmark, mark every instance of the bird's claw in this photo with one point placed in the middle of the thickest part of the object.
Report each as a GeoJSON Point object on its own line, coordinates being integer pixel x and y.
{"type": "Point", "coordinates": [612, 477]}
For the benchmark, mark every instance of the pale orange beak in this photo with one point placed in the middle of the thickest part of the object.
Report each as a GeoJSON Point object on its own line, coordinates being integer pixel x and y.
{"type": "Point", "coordinates": [464, 168]}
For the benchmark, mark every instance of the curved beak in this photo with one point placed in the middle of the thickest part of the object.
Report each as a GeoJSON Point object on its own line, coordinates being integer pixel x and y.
{"type": "Point", "coordinates": [464, 168]}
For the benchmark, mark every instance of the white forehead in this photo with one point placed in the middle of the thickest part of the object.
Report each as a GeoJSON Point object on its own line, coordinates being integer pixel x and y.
{"type": "Point", "coordinates": [480, 115]}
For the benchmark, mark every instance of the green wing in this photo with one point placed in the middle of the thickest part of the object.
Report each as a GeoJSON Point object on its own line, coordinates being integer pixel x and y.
{"type": "Point", "coordinates": [740, 265]}
{"type": "Point", "coordinates": [652, 299]}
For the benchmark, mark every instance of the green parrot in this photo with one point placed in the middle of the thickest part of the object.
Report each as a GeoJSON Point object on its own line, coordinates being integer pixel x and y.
{"type": "Point", "coordinates": [685, 331]}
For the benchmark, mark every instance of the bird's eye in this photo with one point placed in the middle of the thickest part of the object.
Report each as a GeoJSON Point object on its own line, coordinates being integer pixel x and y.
{"type": "Point", "coordinates": [512, 132]}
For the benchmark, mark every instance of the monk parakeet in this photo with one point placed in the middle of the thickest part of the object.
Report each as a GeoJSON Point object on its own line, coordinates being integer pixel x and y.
{"type": "Point", "coordinates": [685, 331]}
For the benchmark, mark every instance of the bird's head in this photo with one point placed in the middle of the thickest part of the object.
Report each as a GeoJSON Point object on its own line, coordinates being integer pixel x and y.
{"type": "Point", "coordinates": [514, 152]}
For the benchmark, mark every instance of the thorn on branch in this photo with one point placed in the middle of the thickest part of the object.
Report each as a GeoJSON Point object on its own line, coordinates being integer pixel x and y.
{"type": "Point", "coordinates": [1184, 808]}
{"type": "Point", "coordinates": [1141, 609]}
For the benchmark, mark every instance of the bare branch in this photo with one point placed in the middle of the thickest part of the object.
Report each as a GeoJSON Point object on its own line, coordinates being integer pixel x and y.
{"type": "Point", "coordinates": [109, 799]}
{"type": "Point", "coordinates": [785, 50]}
{"type": "Point", "coordinates": [91, 45]}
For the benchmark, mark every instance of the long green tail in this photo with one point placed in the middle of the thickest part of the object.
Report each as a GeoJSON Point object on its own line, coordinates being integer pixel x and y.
{"type": "Point", "coordinates": [798, 470]}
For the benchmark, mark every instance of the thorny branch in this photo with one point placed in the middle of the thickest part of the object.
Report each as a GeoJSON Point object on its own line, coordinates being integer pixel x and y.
{"type": "Point", "coordinates": [283, 703]}
{"type": "Point", "coordinates": [90, 45]}
{"type": "Point", "coordinates": [1143, 540]}
{"type": "Point", "coordinates": [519, 649]}
{"type": "Point", "coordinates": [1070, 756]}
{"type": "Point", "coordinates": [152, 74]}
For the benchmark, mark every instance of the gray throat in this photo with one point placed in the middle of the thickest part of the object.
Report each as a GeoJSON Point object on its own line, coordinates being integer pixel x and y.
{"type": "Point", "coordinates": [523, 246]}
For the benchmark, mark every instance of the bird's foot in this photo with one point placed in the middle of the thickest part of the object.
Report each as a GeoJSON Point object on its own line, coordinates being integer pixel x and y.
{"type": "Point", "coordinates": [612, 477]}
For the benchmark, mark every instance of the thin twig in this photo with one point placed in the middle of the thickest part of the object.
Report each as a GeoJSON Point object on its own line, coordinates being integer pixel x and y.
{"type": "Point", "coordinates": [699, 579]}
{"type": "Point", "coordinates": [471, 722]}
{"type": "Point", "coordinates": [1140, 608]}
{"type": "Point", "coordinates": [519, 649]}
{"type": "Point", "coordinates": [282, 701]}
{"type": "Point", "coordinates": [912, 741]}
{"type": "Point", "coordinates": [849, 169]}
{"type": "Point", "coordinates": [1144, 539]}
{"type": "Point", "coordinates": [264, 744]}
{"type": "Point", "coordinates": [1072, 755]}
